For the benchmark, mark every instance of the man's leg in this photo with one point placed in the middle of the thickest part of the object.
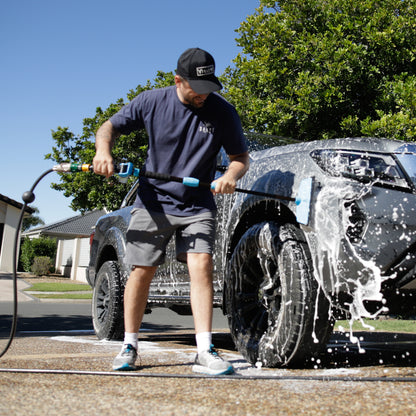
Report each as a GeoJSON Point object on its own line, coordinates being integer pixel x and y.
{"type": "Point", "coordinates": [135, 299]}
{"type": "Point", "coordinates": [136, 293]}
{"type": "Point", "coordinates": [201, 272]}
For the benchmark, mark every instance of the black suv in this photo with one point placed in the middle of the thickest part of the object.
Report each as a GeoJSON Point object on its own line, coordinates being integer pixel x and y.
{"type": "Point", "coordinates": [286, 268]}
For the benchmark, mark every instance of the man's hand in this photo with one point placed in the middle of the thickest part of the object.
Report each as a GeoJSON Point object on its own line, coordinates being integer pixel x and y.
{"type": "Point", "coordinates": [103, 164]}
{"type": "Point", "coordinates": [224, 185]}
{"type": "Point", "coordinates": [227, 183]}
{"type": "Point", "coordinates": [104, 140]}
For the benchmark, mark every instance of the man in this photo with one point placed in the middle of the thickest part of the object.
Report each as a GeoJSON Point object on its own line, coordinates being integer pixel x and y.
{"type": "Point", "coordinates": [187, 124]}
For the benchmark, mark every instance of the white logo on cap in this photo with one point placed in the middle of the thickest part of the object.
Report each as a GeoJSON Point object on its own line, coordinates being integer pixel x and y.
{"type": "Point", "coordinates": [202, 71]}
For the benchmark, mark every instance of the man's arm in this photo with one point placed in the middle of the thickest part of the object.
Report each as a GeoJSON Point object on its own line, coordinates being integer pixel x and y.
{"type": "Point", "coordinates": [104, 141]}
{"type": "Point", "coordinates": [238, 166]}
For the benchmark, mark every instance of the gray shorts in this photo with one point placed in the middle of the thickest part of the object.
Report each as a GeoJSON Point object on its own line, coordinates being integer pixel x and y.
{"type": "Point", "coordinates": [149, 233]}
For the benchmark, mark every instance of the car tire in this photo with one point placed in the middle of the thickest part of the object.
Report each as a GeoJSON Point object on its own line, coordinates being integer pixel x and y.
{"type": "Point", "coordinates": [277, 314]}
{"type": "Point", "coordinates": [107, 303]}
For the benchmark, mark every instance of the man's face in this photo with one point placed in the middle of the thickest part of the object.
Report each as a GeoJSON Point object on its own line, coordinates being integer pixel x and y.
{"type": "Point", "coordinates": [187, 95]}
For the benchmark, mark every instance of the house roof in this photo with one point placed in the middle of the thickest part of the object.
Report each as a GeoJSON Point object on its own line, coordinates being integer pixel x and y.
{"type": "Point", "coordinates": [78, 226]}
{"type": "Point", "coordinates": [15, 204]}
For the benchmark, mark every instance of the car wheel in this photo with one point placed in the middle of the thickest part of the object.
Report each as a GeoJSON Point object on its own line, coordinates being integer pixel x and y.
{"type": "Point", "coordinates": [277, 314]}
{"type": "Point", "coordinates": [107, 303]}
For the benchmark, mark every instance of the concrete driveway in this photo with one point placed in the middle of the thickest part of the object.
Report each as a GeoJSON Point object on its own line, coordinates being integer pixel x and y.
{"type": "Point", "coordinates": [69, 373]}
{"type": "Point", "coordinates": [6, 289]}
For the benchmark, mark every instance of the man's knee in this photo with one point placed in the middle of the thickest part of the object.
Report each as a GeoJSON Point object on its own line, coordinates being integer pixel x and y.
{"type": "Point", "coordinates": [142, 273]}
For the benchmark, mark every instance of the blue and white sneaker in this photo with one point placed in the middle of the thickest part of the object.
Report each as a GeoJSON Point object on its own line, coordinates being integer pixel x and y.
{"type": "Point", "coordinates": [209, 362]}
{"type": "Point", "coordinates": [126, 359]}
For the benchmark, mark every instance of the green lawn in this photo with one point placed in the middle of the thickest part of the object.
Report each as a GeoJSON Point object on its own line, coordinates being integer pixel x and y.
{"type": "Point", "coordinates": [58, 287]}
{"type": "Point", "coordinates": [63, 295]}
{"type": "Point", "coordinates": [381, 325]}
{"type": "Point", "coordinates": [60, 290]}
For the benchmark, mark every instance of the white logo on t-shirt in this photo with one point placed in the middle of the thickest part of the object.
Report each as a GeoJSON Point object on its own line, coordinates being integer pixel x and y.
{"type": "Point", "coordinates": [206, 128]}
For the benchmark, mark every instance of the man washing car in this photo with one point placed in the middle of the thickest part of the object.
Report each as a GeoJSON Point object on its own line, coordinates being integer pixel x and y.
{"type": "Point", "coordinates": [187, 124]}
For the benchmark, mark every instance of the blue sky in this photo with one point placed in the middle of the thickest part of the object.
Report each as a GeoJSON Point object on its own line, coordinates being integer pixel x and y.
{"type": "Point", "coordinates": [62, 59]}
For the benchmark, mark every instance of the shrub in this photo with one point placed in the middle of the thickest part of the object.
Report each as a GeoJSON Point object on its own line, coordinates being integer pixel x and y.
{"type": "Point", "coordinates": [37, 247]}
{"type": "Point", "coordinates": [42, 265]}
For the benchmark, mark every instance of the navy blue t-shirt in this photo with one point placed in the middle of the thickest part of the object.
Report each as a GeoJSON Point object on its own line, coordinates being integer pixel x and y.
{"type": "Point", "coordinates": [183, 141]}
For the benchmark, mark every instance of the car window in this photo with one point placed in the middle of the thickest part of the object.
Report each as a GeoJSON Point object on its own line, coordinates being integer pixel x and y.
{"type": "Point", "coordinates": [408, 162]}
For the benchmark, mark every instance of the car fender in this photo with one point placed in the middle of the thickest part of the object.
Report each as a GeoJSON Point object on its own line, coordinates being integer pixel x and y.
{"type": "Point", "coordinates": [109, 242]}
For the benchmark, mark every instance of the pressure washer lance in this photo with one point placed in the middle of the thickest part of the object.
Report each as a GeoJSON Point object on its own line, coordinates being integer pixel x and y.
{"type": "Point", "coordinates": [125, 170]}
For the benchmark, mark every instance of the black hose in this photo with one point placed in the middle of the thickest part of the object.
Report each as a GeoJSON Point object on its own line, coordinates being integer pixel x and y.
{"type": "Point", "coordinates": [28, 197]}
{"type": "Point", "coordinates": [201, 376]}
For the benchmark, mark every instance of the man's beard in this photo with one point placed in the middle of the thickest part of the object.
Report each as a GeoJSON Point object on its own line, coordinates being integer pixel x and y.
{"type": "Point", "coordinates": [195, 102]}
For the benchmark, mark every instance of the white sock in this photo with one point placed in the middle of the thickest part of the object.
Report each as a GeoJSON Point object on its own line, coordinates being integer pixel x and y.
{"type": "Point", "coordinates": [203, 341]}
{"type": "Point", "coordinates": [131, 338]}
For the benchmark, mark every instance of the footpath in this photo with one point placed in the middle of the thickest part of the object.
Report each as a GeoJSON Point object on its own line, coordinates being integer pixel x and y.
{"type": "Point", "coordinates": [6, 289]}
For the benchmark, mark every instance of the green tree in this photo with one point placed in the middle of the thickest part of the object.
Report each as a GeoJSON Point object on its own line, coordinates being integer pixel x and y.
{"type": "Point", "coordinates": [90, 191]}
{"type": "Point", "coordinates": [32, 221]}
{"type": "Point", "coordinates": [313, 69]}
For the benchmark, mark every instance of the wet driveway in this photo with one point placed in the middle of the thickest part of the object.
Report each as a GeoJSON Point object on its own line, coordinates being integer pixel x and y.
{"type": "Point", "coordinates": [69, 372]}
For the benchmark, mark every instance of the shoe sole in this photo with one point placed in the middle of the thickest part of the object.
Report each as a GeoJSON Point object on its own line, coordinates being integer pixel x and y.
{"type": "Point", "coordinates": [125, 367]}
{"type": "Point", "coordinates": [205, 370]}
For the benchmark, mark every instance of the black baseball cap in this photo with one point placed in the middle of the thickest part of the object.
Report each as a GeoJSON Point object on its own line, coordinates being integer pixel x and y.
{"type": "Point", "coordinates": [198, 68]}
